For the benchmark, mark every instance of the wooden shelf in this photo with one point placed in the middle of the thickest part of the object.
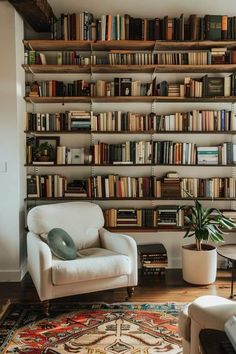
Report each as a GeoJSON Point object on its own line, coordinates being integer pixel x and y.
{"type": "Point", "coordinates": [58, 69]}
{"type": "Point", "coordinates": [123, 99]}
{"type": "Point", "coordinates": [70, 69]}
{"type": "Point", "coordinates": [126, 165]}
{"type": "Point", "coordinates": [57, 132]}
{"type": "Point", "coordinates": [52, 45]}
{"type": "Point", "coordinates": [166, 228]}
{"type": "Point", "coordinates": [147, 132]}
{"type": "Point", "coordinates": [131, 68]}
{"type": "Point", "coordinates": [126, 198]}
{"type": "Point", "coordinates": [62, 100]}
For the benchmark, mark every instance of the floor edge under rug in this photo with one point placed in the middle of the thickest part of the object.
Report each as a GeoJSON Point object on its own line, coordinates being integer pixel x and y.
{"type": "Point", "coordinates": [4, 306]}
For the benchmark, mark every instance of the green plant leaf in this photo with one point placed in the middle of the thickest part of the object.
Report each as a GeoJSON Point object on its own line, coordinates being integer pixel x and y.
{"type": "Point", "coordinates": [187, 234]}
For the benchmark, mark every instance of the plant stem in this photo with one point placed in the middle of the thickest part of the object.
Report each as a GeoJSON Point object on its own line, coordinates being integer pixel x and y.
{"type": "Point", "coordinates": [199, 245]}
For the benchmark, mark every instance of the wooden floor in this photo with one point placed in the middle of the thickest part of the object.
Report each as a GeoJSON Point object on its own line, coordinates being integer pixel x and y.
{"type": "Point", "coordinates": [168, 287]}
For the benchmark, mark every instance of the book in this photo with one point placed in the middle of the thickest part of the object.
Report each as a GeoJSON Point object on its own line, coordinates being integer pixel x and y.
{"type": "Point", "coordinates": [125, 86]}
{"type": "Point", "coordinates": [214, 86]}
{"type": "Point", "coordinates": [213, 27]}
{"type": "Point", "coordinates": [152, 249]}
{"type": "Point", "coordinates": [32, 182]}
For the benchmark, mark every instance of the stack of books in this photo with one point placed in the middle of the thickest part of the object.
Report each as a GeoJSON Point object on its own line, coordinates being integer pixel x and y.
{"type": "Point", "coordinates": [208, 155]}
{"type": "Point", "coordinates": [170, 215]}
{"type": "Point", "coordinates": [153, 258]}
{"type": "Point", "coordinates": [79, 120]}
{"type": "Point", "coordinates": [170, 185]}
{"type": "Point", "coordinates": [76, 188]}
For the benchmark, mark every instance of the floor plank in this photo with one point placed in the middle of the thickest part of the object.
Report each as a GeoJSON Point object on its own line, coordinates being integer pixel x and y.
{"type": "Point", "coordinates": [168, 287]}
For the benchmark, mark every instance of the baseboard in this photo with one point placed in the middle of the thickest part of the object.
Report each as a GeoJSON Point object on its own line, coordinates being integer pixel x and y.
{"type": "Point", "coordinates": [12, 275]}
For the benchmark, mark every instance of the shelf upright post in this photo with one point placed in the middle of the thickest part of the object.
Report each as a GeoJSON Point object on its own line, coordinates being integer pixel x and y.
{"type": "Point", "coordinates": [233, 171]}
{"type": "Point", "coordinates": [153, 109]}
{"type": "Point", "coordinates": [92, 136]}
{"type": "Point", "coordinates": [32, 170]}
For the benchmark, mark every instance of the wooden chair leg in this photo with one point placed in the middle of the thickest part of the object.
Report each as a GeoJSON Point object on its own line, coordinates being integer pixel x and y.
{"type": "Point", "coordinates": [130, 291]}
{"type": "Point", "coordinates": [45, 307]}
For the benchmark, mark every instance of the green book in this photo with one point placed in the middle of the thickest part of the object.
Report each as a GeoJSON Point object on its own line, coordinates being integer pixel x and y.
{"type": "Point", "coordinates": [213, 27]}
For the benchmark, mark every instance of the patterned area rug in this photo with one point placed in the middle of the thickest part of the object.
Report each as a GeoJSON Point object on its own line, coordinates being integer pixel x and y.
{"type": "Point", "coordinates": [123, 328]}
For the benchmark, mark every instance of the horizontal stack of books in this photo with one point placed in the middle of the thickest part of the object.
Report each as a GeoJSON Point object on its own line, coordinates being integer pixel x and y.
{"type": "Point", "coordinates": [76, 188]}
{"type": "Point", "coordinates": [170, 185]}
{"type": "Point", "coordinates": [170, 215]}
{"type": "Point", "coordinates": [153, 258]}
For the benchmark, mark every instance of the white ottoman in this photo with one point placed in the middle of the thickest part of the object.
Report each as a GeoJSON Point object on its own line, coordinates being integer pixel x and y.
{"type": "Point", "coordinates": [205, 312]}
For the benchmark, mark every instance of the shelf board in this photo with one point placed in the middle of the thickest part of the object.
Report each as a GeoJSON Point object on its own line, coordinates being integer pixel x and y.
{"type": "Point", "coordinates": [147, 132]}
{"type": "Point", "coordinates": [127, 165]}
{"type": "Point", "coordinates": [58, 69]}
{"type": "Point", "coordinates": [166, 228]}
{"type": "Point", "coordinates": [124, 99]}
{"type": "Point", "coordinates": [53, 45]}
{"type": "Point", "coordinates": [57, 132]}
{"type": "Point", "coordinates": [62, 100]}
{"type": "Point", "coordinates": [154, 68]}
{"type": "Point", "coordinates": [125, 198]}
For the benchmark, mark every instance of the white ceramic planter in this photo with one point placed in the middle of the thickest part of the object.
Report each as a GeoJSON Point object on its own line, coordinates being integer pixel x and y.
{"type": "Point", "coordinates": [199, 267]}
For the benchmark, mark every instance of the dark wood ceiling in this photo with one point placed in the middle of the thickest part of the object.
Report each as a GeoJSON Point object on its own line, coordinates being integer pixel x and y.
{"type": "Point", "coordinates": [37, 13]}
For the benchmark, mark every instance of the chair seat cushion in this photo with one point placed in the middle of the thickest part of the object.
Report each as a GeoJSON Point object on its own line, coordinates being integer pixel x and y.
{"type": "Point", "coordinates": [93, 263]}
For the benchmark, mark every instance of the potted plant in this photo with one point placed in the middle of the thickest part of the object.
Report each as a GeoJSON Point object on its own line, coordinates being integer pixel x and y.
{"type": "Point", "coordinates": [199, 260]}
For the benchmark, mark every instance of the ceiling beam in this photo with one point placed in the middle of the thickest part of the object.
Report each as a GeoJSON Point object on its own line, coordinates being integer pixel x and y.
{"type": "Point", "coordinates": [36, 12]}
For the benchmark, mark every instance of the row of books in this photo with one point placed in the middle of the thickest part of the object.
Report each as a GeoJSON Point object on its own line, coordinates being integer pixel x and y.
{"type": "Point", "coordinates": [180, 57]}
{"type": "Point", "coordinates": [67, 57]}
{"type": "Point", "coordinates": [140, 152]}
{"type": "Point", "coordinates": [117, 121]}
{"type": "Point", "coordinates": [195, 120]}
{"type": "Point", "coordinates": [118, 87]}
{"type": "Point", "coordinates": [129, 57]}
{"type": "Point", "coordinates": [169, 215]}
{"type": "Point", "coordinates": [202, 87]}
{"type": "Point", "coordinates": [83, 26]}
{"type": "Point", "coordinates": [205, 86]}
{"type": "Point", "coordinates": [46, 186]}
{"type": "Point", "coordinates": [115, 186]}
{"type": "Point", "coordinates": [214, 187]}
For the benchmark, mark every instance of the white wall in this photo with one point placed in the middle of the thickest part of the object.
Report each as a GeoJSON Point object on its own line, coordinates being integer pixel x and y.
{"type": "Point", "coordinates": [11, 145]}
{"type": "Point", "coordinates": [12, 181]}
{"type": "Point", "coordinates": [147, 8]}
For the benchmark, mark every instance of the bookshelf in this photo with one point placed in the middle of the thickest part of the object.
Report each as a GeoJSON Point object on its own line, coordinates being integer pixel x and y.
{"type": "Point", "coordinates": [50, 70]}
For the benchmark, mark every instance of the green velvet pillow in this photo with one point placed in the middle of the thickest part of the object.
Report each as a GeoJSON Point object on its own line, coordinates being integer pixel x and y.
{"type": "Point", "coordinates": [61, 244]}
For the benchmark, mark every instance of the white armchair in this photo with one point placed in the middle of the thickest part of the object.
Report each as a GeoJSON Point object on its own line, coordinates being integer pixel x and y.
{"type": "Point", "coordinates": [207, 311]}
{"type": "Point", "coordinates": [108, 260]}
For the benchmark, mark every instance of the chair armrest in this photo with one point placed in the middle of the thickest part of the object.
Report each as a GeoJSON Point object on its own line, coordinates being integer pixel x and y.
{"type": "Point", "coordinates": [39, 263]}
{"type": "Point", "coordinates": [211, 311]}
{"type": "Point", "coordinates": [122, 244]}
{"type": "Point", "coordinates": [119, 243]}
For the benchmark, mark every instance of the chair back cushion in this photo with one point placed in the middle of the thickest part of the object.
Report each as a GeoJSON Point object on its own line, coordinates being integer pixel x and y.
{"type": "Point", "coordinates": [81, 220]}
